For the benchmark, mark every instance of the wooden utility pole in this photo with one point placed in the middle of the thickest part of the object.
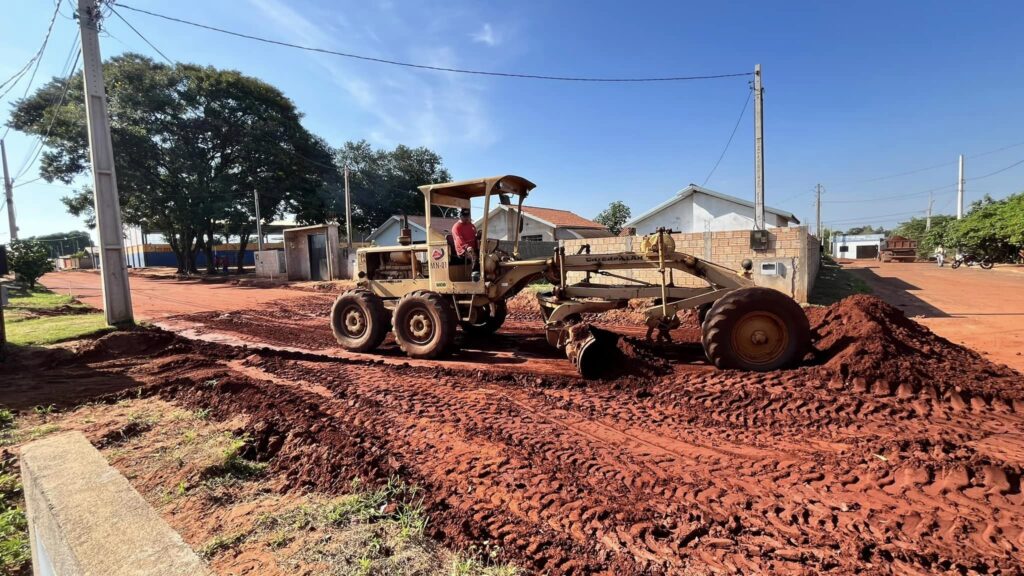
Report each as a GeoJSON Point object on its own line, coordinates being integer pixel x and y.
{"type": "Point", "coordinates": [117, 298]}
{"type": "Point", "coordinates": [960, 191]}
{"type": "Point", "coordinates": [758, 150]}
{"type": "Point", "coordinates": [9, 191]}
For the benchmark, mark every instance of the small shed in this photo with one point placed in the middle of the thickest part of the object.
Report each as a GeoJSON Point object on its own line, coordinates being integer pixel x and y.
{"type": "Point", "coordinates": [314, 253]}
{"type": "Point", "coordinates": [856, 246]}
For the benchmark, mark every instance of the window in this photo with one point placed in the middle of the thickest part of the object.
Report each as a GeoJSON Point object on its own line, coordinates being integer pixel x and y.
{"type": "Point", "coordinates": [844, 248]}
{"type": "Point", "coordinates": [532, 237]}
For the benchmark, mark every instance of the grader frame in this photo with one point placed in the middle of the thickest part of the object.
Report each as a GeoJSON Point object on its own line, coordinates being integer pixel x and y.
{"type": "Point", "coordinates": [423, 293]}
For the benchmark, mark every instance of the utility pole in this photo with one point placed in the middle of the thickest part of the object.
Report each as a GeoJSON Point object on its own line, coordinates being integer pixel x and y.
{"type": "Point", "coordinates": [960, 191]}
{"type": "Point", "coordinates": [117, 297]}
{"type": "Point", "coordinates": [928, 221]}
{"type": "Point", "coordinates": [758, 150]}
{"type": "Point", "coordinates": [817, 226]}
{"type": "Point", "coordinates": [259, 222]}
{"type": "Point", "coordinates": [348, 214]}
{"type": "Point", "coordinates": [9, 191]}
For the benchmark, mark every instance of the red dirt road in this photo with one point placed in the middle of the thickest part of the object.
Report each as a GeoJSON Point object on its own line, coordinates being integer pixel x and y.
{"type": "Point", "coordinates": [982, 309]}
{"type": "Point", "coordinates": [154, 298]}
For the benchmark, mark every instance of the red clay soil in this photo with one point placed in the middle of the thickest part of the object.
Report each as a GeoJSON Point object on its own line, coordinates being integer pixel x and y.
{"type": "Point", "coordinates": [897, 453]}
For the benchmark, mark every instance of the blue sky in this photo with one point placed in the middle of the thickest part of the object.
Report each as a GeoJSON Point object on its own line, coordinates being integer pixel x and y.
{"type": "Point", "coordinates": [853, 92]}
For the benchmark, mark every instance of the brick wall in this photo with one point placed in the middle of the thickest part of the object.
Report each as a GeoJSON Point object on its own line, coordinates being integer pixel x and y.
{"type": "Point", "coordinates": [790, 248]}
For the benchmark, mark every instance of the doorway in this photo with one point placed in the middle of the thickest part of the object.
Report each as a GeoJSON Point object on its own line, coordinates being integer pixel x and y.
{"type": "Point", "coordinates": [318, 269]}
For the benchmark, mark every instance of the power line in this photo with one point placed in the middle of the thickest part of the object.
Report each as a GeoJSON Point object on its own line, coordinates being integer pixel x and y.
{"type": "Point", "coordinates": [727, 144]}
{"type": "Point", "coordinates": [891, 197]}
{"type": "Point", "coordinates": [936, 166]}
{"type": "Point", "coordinates": [1001, 170]}
{"type": "Point", "coordinates": [67, 84]}
{"type": "Point", "coordinates": [435, 68]}
{"type": "Point", "coordinates": [144, 39]}
{"type": "Point", "coordinates": [38, 60]}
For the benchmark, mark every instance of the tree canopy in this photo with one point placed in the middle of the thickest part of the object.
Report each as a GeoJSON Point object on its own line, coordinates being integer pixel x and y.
{"type": "Point", "coordinates": [991, 227]}
{"type": "Point", "coordinates": [191, 146]}
{"type": "Point", "coordinates": [614, 216]}
{"type": "Point", "coordinates": [29, 259]}
{"type": "Point", "coordinates": [384, 183]}
{"type": "Point", "coordinates": [64, 243]}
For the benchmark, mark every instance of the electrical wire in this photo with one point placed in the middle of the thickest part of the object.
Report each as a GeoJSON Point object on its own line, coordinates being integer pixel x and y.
{"type": "Point", "coordinates": [67, 84]}
{"type": "Point", "coordinates": [38, 60]}
{"type": "Point", "coordinates": [435, 68]}
{"type": "Point", "coordinates": [1000, 171]}
{"type": "Point", "coordinates": [144, 39]}
{"type": "Point", "coordinates": [727, 144]}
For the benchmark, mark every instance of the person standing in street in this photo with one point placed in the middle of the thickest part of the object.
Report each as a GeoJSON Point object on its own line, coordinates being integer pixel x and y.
{"type": "Point", "coordinates": [940, 255]}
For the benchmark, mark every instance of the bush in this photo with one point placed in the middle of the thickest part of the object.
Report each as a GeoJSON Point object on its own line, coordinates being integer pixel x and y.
{"type": "Point", "coordinates": [29, 259]}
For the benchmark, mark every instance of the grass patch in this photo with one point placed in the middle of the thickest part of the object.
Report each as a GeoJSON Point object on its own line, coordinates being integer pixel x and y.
{"type": "Point", "coordinates": [43, 331]}
{"type": "Point", "coordinates": [834, 283]}
{"type": "Point", "coordinates": [220, 543]}
{"type": "Point", "coordinates": [40, 299]}
{"type": "Point", "coordinates": [14, 547]}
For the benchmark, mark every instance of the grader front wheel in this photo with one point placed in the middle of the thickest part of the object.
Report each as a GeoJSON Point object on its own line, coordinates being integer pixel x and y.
{"type": "Point", "coordinates": [756, 329]}
{"type": "Point", "coordinates": [359, 320]}
{"type": "Point", "coordinates": [489, 319]}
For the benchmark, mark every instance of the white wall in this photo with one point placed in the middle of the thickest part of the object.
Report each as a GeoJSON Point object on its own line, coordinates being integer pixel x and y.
{"type": "Point", "coordinates": [694, 212]}
{"type": "Point", "coordinates": [388, 235]}
{"type": "Point", "coordinates": [502, 221]}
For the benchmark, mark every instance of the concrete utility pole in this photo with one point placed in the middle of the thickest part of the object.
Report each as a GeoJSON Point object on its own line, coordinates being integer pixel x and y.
{"type": "Point", "coordinates": [928, 221]}
{"type": "Point", "coordinates": [758, 150]}
{"type": "Point", "coordinates": [117, 298]}
{"type": "Point", "coordinates": [817, 226]}
{"type": "Point", "coordinates": [960, 191]}
{"type": "Point", "coordinates": [259, 222]}
{"type": "Point", "coordinates": [9, 191]}
{"type": "Point", "coordinates": [348, 214]}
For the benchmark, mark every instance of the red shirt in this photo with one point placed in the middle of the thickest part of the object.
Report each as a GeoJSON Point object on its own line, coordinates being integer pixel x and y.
{"type": "Point", "coordinates": [464, 234]}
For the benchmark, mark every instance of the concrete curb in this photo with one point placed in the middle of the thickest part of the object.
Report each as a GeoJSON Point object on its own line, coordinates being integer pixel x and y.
{"type": "Point", "coordinates": [86, 519]}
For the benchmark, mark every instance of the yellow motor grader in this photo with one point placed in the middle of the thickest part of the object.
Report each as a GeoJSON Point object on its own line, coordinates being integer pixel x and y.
{"type": "Point", "coordinates": [424, 293]}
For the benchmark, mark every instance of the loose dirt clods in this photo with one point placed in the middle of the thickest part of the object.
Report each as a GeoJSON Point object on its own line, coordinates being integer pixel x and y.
{"type": "Point", "coordinates": [894, 452]}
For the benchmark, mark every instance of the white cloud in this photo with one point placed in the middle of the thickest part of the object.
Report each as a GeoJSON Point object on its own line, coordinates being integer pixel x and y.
{"type": "Point", "coordinates": [486, 35]}
{"type": "Point", "coordinates": [404, 106]}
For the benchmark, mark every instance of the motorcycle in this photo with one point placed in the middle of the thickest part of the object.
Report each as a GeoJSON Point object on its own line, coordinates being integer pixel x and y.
{"type": "Point", "coordinates": [971, 260]}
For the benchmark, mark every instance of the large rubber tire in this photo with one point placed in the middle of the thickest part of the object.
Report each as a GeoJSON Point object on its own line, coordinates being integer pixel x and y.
{"type": "Point", "coordinates": [359, 320]}
{"type": "Point", "coordinates": [424, 324]}
{"type": "Point", "coordinates": [985, 264]}
{"type": "Point", "coordinates": [955, 264]}
{"type": "Point", "coordinates": [757, 329]}
{"type": "Point", "coordinates": [489, 319]}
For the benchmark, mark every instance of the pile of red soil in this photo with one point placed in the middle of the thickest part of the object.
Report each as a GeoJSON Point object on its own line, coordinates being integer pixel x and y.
{"type": "Point", "coordinates": [871, 345]}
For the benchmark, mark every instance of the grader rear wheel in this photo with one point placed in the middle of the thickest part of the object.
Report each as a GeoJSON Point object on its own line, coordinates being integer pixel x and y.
{"type": "Point", "coordinates": [425, 324]}
{"type": "Point", "coordinates": [359, 320]}
{"type": "Point", "coordinates": [756, 329]}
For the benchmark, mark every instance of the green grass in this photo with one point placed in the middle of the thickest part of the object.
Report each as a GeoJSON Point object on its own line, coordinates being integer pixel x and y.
{"type": "Point", "coordinates": [14, 548]}
{"type": "Point", "coordinates": [834, 283]}
{"type": "Point", "coordinates": [53, 329]}
{"type": "Point", "coordinates": [40, 299]}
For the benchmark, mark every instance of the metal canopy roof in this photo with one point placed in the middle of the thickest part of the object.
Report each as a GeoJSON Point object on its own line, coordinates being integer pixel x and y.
{"type": "Point", "coordinates": [466, 189]}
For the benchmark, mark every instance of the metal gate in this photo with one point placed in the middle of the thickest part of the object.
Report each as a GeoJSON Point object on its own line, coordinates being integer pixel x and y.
{"type": "Point", "coordinates": [318, 268]}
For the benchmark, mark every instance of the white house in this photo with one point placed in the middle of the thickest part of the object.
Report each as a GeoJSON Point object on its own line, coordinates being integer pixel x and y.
{"type": "Point", "coordinates": [855, 246]}
{"type": "Point", "coordinates": [541, 225]}
{"type": "Point", "coordinates": [387, 233]}
{"type": "Point", "coordinates": [698, 209]}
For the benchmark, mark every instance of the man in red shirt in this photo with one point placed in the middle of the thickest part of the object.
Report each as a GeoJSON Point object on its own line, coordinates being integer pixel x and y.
{"type": "Point", "coordinates": [464, 235]}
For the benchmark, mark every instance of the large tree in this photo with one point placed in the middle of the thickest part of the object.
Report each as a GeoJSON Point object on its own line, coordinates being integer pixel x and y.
{"type": "Point", "coordinates": [191, 146]}
{"type": "Point", "coordinates": [65, 243]}
{"type": "Point", "coordinates": [384, 182]}
{"type": "Point", "coordinates": [614, 216]}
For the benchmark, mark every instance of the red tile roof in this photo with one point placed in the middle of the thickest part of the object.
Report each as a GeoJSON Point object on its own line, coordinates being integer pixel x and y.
{"type": "Point", "coordinates": [560, 218]}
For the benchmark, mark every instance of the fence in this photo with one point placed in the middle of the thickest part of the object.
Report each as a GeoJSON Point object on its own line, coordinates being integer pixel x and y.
{"type": "Point", "coordinates": [790, 264]}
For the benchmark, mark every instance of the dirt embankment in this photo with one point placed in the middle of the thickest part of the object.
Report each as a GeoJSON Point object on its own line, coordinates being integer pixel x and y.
{"type": "Point", "coordinates": [897, 452]}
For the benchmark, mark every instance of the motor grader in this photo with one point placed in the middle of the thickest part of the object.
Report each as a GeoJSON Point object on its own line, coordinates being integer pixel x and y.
{"type": "Point", "coordinates": [424, 292]}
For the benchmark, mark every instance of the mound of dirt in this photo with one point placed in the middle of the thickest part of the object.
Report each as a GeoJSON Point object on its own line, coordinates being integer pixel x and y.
{"type": "Point", "coordinates": [127, 343]}
{"type": "Point", "coordinates": [870, 344]}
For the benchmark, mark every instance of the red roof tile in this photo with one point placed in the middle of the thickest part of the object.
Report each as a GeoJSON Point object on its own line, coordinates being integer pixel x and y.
{"type": "Point", "coordinates": [560, 218]}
